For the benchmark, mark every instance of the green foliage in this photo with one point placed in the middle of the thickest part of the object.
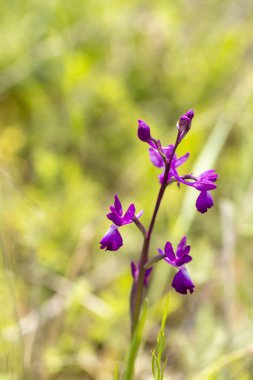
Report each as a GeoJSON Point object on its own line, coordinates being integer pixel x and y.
{"type": "Point", "coordinates": [116, 372]}
{"type": "Point", "coordinates": [158, 366]}
{"type": "Point", "coordinates": [135, 344]}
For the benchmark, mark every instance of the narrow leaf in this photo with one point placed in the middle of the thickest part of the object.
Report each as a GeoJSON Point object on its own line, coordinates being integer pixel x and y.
{"type": "Point", "coordinates": [135, 344]}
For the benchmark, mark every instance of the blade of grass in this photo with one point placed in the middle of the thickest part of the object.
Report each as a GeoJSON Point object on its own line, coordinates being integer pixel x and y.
{"type": "Point", "coordinates": [135, 344]}
{"type": "Point", "coordinates": [158, 367]}
{"type": "Point", "coordinates": [116, 372]}
{"type": "Point", "coordinates": [214, 368]}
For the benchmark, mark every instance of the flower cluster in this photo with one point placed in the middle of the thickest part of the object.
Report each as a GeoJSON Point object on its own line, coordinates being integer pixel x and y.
{"type": "Point", "coordinates": [160, 156]}
{"type": "Point", "coordinates": [165, 158]}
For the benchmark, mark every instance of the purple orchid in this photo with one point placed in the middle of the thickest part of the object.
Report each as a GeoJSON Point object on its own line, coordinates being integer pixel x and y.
{"type": "Point", "coordinates": [181, 281]}
{"type": "Point", "coordinates": [135, 269]}
{"type": "Point", "coordinates": [182, 254]}
{"type": "Point", "coordinates": [158, 161]}
{"type": "Point", "coordinates": [203, 183]}
{"type": "Point", "coordinates": [112, 240]}
{"type": "Point", "coordinates": [160, 155]}
{"type": "Point", "coordinates": [116, 214]}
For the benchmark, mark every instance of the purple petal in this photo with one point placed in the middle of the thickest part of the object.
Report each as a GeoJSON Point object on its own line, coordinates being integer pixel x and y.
{"type": "Point", "coordinates": [182, 282]}
{"type": "Point", "coordinates": [204, 201]}
{"type": "Point", "coordinates": [181, 160]}
{"type": "Point", "coordinates": [170, 174]}
{"type": "Point", "coordinates": [168, 151]}
{"type": "Point", "coordinates": [117, 205]}
{"type": "Point", "coordinates": [183, 260]}
{"type": "Point", "coordinates": [127, 218]}
{"type": "Point", "coordinates": [155, 158]}
{"type": "Point", "coordinates": [115, 218]}
{"type": "Point", "coordinates": [112, 240]}
{"type": "Point", "coordinates": [168, 250]}
{"type": "Point", "coordinates": [204, 185]}
{"type": "Point", "coordinates": [139, 214]}
{"type": "Point", "coordinates": [206, 180]}
{"type": "Point", "coordinates": [161, 178]}
{"type": "Point", "coordinates": [210, 175]}
{"type": "Point", "coordinates": [112, 208]}
{"type": "Point", "coordinates": [182, 248]}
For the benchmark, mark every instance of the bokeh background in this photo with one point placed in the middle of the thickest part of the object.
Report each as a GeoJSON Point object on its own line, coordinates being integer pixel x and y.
{"type": "Point", "coordinates": [74, 78]}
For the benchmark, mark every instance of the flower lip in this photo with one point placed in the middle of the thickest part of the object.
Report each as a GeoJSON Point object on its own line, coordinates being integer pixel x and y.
{"type": "Point", "coordinates": [204, 201]}
{"type": "Point", "coordinates": [182, 282]}
{"type": "Point", "coordinates": [112, 239]}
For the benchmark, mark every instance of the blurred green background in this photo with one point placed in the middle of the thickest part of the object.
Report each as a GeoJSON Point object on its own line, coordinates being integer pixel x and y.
{"type": "Point", "coordinates": [74, 78]}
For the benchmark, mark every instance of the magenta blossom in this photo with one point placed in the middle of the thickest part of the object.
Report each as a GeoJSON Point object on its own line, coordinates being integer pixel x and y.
{"type": "Point", "coordinates": [112, 240]}
{"type": "Point", "coordinates": [203, 183]}
{"type": "Point", "coordinates": [181, 281]}
{"type": "Point", "coordinates": [116, 214]}
{"type": "Point", "coordinates": [158, 161]}
{"type": "Point", "coordinates": [182, 254]}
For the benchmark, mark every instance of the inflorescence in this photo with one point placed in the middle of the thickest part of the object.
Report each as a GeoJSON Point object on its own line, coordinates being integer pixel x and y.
{"type": "Point", "coordinates": [164, 158]}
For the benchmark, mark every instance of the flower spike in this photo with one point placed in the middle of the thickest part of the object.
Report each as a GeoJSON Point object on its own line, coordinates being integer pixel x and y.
{"type": "Point", "coordinates": [166, 159]}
